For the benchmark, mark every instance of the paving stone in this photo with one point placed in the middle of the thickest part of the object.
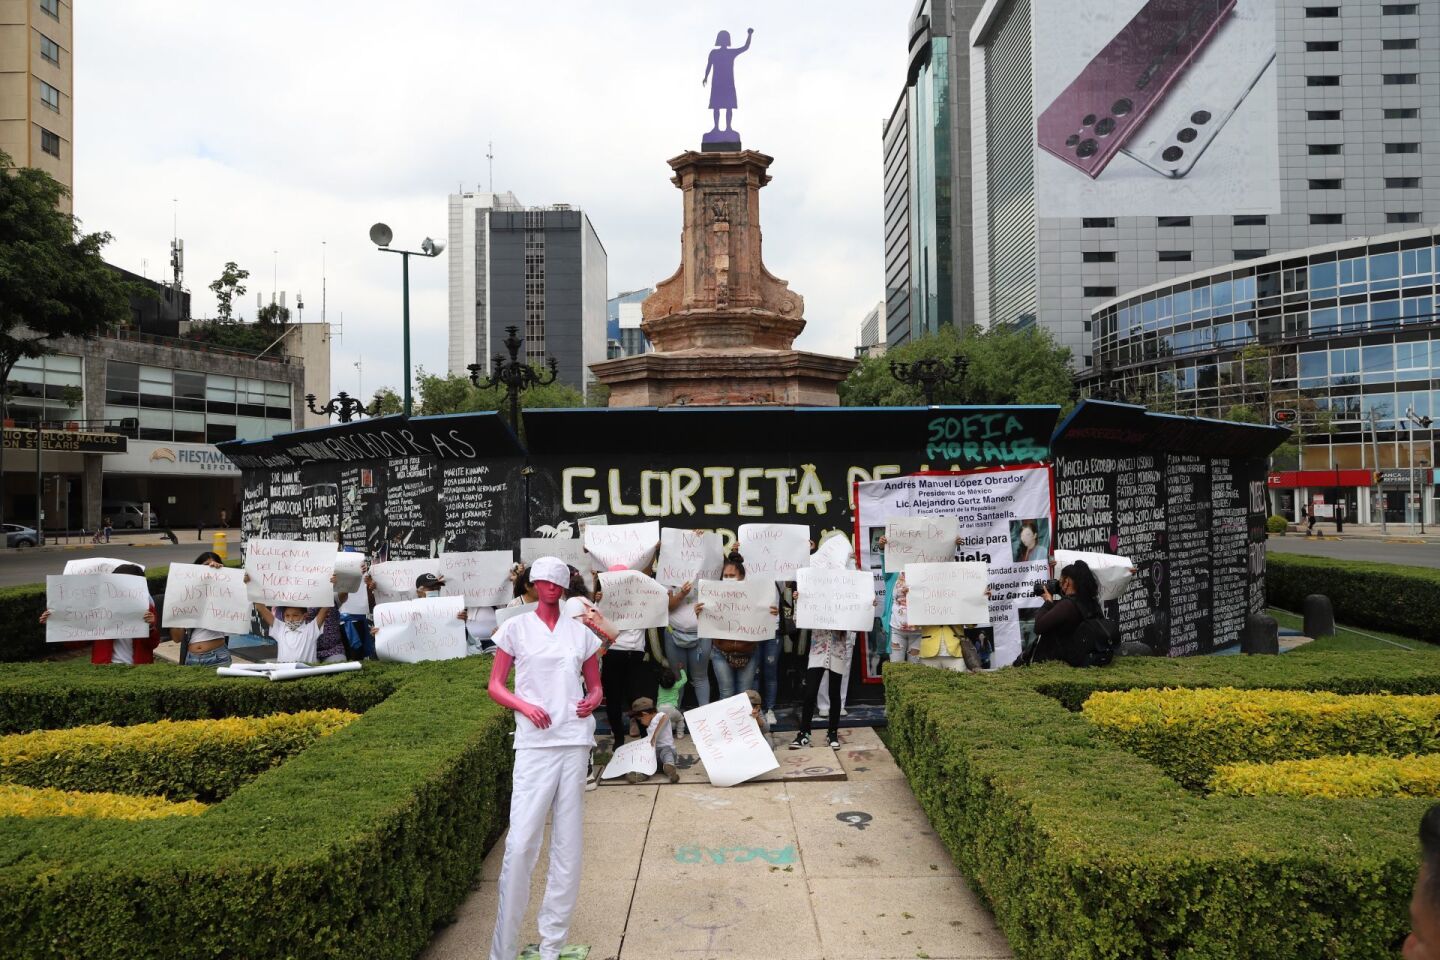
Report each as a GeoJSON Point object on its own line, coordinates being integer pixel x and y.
{"type": "Point", "coordinates": [724, 918]}
{"type": "Point", "coordinates": [880, 918]}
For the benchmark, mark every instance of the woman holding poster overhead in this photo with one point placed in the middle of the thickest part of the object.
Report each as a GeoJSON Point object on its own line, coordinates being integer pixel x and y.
{"type": "Point", "coordinates": [735, 660]}
{"type": "Point", "coordinates": [557, 688]}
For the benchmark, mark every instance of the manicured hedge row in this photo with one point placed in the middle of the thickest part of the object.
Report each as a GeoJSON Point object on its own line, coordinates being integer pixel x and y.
{"type": "Point", "coordinates": [357, 847]}
{"type": "Point", "coordinates": [1086, 851]}
{"type": "Point", "coordinates": [1382, 596]}
{"type": "Point", "coordinates": [1189, 732]}
{"type": "Point", "coordinates": [1348, 776]}
{"type": "Point", "coordinates": [18, 801]}
{"type": "Point", "coordinates": [202, 760]}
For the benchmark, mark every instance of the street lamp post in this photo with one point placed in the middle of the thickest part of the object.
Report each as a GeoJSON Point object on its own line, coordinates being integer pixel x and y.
{"type": "Point", "coordinates": [514, 374]}
{"type": "Point", "coordinates": [1416, 420]}
{"type": "Point", "coordinates": [344, 407]}
{"type": "Point", "coordinates": [381, 235]}
{"type": "Point", "coordinates": [929, 373]}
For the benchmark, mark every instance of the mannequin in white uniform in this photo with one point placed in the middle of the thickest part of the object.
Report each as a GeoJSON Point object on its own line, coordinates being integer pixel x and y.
{"type": "Point", "coordinates": [554, 733]}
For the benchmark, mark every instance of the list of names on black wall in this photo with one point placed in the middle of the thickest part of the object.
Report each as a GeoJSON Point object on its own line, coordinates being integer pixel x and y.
{"type": "Point", "coordinates": [1255, 481]}
{"type": "Point", "coordinates": [286, 505]}
{"type": "Point", "coordinates": [469, 493]}
{"type": "Point", "coordinates": [1229, 550]}
{"type": "Point", "coordinates": [411, 487]}
{"type": "Point", "coordinates": [255, 509]}
{"type": "Point", "coordinates": [1140, 535]}
{"type": "Point", "coordinates": [1187, 534]}
{"type": "Point", "coordinates": [1085, 502]}
{"type": "Point", "coordinates": [319, 506]}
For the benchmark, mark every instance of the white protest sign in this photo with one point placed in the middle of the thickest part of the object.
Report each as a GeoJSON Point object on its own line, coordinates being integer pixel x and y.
{"type": "Point", "coordinates": [349, 572]}
{"type": "Point", "coordinates": [1111, 571]}
{"type": "Point", "coordinates": [919, 540]}
{"type": "Point", "coordinates": [637, 756]}
{"type": "Point", "coordinates": [395, 580]}
{"type": "Point", "coordinates": [482, 577]}
{"type": "Point", "coordinates": [95, 565]}
{"type": "Point", "coordinates": [571, 551]}
{"type": "Point", "coordinates": [834, 599]}
{"type": "Point", "coordinates": [729, 741]}
{"type": "Point", "coordinates": [774, 551]}
{"type": "Point", "coordinates": [632, 601]}
{"type": "Point", "coordinates": [201, 596]}
{"type": "Point", "coordinates": [947, 593]}
{"type": "Point", "coordinates": [96, 606]}
{"type": "Point", "coordinates": [416, 630]}
{"type": "Point", "coordinates": [834, 554]}
{"type": "Point", "coordinates": [630, 545]}
{"type": "Point", "coordinates": [737, 609]}
{"type": "Point", "coordinates": [688, 557]}
{"type": "Point", "coordinates": [503, 614]}
{"type": "Point", "coordinates": [291, 573]}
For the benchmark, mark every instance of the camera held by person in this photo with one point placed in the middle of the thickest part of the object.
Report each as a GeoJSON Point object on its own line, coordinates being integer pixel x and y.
{"type": "Point", "coordinates": [1071, 625]}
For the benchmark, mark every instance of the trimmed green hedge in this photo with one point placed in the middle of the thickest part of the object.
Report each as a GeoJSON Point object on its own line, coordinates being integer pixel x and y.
{"type": "Point", "coordinates": [1382, 596]}
{"type": "Point", "coordinates": [356, 847]}
{"type": "Point", "coordinates": [1086, 851]}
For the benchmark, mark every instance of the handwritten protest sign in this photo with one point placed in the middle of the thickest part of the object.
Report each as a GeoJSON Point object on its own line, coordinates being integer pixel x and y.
{"type": "Point", "coordinates": [201, 596]}
{"type": "Point", "coordinates": [919, 540]}
{"type": "Point", "coordinates": [416, 630]}
{"type": "Point", "coordinates": [503, 614]}
{"type": "Point", "coordinates": [737, 609]}
{"type": "Point", "coordinates": [834, 599]}
{"type": "Point", "coordinates": [395, 580]}
{"type": "Point", "coordinates": [290, 572]}
{"type": "Point", "coordinates": [349, 572]}
{"type": "Point", "coordinates": [482, 577]}
{"type": "Point", "coordinates": [1111, 571]}
{"type": "Point", "coordinates": [730, 742]}
{"type": "Point", "coordinates": [95, 565]}
{"type": "Point", "coordinates": [630, 545]}
{"type": "Point", "coordinates": [947, 593]}
{"type": "Point", "coordinates": [96, 606]}
{"type": "Point", "coordinates": [774, 551]}
{"type": "Point", "coordinates": [688, 557]}
{"type": "Point", "coordinates": [637, 756]}
{"type": "Point", "coordinates": [835, 553]}
{"type": "Point", "coordinates": [632, 601]}
{"type": "Point", "coordinates": [571, 551]}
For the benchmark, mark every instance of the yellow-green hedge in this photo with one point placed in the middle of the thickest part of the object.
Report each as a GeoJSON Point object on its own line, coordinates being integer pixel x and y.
{"type": "Point", "coordinates": [178, 759]}
{"type": "Point", "coordinates": [1191, 732]}
{"type": "Point", "coordinates": [1363, 777]}
{"type": "Point", "coordinates": [18, 801]}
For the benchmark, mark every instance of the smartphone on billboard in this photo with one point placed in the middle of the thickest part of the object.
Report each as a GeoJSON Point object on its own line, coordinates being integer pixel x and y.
{"type": "Point", "coordinates": [1122, 85]}
{"type": "Point", "coordinates": [1199, 104]}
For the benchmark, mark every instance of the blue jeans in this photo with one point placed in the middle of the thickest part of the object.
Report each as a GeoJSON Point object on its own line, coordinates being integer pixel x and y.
{"type": "Point", "coordinates": [734, 681]}
{"type": "Point", "coordinates": [219, 657]}
{"type": "Point", "coordinates": [695, 661]}
{"type": "Point", "coordinates": [769, 656]}
{"type": "Point", "coordinates": [359, 641]}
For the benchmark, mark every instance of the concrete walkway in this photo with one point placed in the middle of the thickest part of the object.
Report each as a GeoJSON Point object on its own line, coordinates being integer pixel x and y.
{"type": "Point", "coordinates": [762, 870]}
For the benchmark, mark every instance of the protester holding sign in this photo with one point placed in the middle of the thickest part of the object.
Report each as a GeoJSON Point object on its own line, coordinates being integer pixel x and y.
{"type": "Point", "coordinates": [74, 601]}
{"type": "Point", "coordinates": [622, 668]}
{"type": "Point", "coordinates": [686, 651]}
{"type": "Point", "coordinates": [202, 646]}
{"type": "Point", "coordinates": [554, 733]}
{"type": "Point", "coordinates": [355, 614]}
{"type": "Point", "coordinates": [734, 660]}
{"type": "Point", "coordinates": [830, 598]}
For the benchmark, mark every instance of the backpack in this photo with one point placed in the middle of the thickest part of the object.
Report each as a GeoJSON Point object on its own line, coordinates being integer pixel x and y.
{"type": "Point", "coordinates": [1095, 641]}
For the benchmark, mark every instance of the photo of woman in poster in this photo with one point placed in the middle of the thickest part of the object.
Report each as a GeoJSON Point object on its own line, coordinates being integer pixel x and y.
{"type": "Point", "coordinates": [1030, 539]}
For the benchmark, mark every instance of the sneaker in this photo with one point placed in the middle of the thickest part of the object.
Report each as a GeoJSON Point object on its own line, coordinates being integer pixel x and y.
{"type": "Point", "coordinates": [770, 717]}
{"type": "Point", "coordinates": [801, 741]}
{"type": "Point", "coordinates": [592, 779]}
{"type": "Point", "coordinates": [833, 740]}
{"type": "Point", "coordinates": [844, 712]}
{"type": "Point", "coordinates": [671, 772]}
{"type": "Point", "coordinates": [635, 776]}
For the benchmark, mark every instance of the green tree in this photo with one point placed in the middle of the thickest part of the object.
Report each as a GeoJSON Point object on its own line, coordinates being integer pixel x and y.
{"type": "Point", "coordinates": [1004, 366]}
{"type": "Point", "coordinates": [53, 281]}
{"type": "Point", "coordinates": [387, 401]}
{"type": "Point", "coordinates": [453, 393]}
{"type": "Point", "coordinates": [273, 313]}
{"type": "Point", "coordinates": [227, 288]}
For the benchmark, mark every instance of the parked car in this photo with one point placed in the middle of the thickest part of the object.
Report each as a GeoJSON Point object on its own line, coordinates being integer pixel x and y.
{"type": "Point", "coordinates": [18, 536]}
{"type": "Point", "coordinates": [127, 514]}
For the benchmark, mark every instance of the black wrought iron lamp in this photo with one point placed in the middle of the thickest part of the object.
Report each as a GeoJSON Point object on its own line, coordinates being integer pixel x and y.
{"type": "Point", "coordinates": [930, 373]}
{"type": "Point", "coordinates": [514, 374]}
{"type": "Point", "coordinates": [343, 408]}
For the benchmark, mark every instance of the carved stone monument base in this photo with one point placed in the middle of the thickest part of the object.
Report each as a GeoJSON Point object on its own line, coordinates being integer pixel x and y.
{"type": "Point", "coordinates": [707, 378]}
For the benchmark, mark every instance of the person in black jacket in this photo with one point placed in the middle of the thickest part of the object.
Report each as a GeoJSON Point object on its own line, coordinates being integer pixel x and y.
{"type": "Point", "coordinates": [1057, 624]}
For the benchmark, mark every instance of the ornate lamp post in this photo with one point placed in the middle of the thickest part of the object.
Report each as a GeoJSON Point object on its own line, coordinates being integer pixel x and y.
{"type": "Point", "coordinates": [515, 374]}
{"type": "Point", "coordinates": [381, 236]}
{"type": "Point", "coordinates": [929, 373]}
{"type": "Point", "coordinates": [344, 407]}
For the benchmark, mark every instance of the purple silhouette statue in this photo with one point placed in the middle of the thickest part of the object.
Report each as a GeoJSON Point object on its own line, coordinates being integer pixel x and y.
{"type": "Point", "coordinates": [722, 91]}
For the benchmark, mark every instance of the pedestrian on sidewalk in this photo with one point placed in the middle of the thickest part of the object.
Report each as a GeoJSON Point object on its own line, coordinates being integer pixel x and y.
{"type": "Point", "coordinates": [109, 528]}
{"type": "Point", "coordinates": [557, 689]}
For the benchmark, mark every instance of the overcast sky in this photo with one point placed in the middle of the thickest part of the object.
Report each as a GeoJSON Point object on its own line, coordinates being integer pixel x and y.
{"type": "Point", "coordinates": [284, 126]}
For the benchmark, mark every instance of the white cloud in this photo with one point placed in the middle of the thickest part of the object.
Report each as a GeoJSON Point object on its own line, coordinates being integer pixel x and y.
{"type": "Point", "coordinates": [282, 125]}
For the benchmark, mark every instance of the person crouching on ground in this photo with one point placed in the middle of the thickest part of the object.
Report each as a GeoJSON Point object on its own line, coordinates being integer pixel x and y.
{"type": "Point", "coordinates": [126, 650]}
{"type": "Point", "coordinates": [662, 738]}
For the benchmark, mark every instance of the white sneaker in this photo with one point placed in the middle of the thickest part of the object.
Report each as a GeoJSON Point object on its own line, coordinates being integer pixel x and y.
{"type": "Point", "coordinates": [844, 712]}
{"type": "Point", "coordinates": [770, 717]}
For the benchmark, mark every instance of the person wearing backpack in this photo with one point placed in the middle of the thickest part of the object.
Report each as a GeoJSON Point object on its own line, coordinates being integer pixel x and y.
{"type": "Point", "coordinates": [1072, 627]}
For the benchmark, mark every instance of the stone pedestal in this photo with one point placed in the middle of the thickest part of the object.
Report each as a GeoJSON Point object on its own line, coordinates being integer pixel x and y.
{"type": "Point", "coordinates": [722, 326]}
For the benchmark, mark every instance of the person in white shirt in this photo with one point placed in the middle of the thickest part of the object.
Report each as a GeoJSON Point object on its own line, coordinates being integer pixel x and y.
{"type": "Point", "coordinates": [206, 648]}
{"type": "Point", "coordinates": [557, 689]}
{"type": "Point", "coordinates": [294, 637]}
{"type": "Point", "coordinates": [662, 738]}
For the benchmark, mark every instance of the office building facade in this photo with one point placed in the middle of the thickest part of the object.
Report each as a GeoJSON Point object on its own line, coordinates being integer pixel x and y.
{"type": "Point", "coordinates": [539, 269]}
{"type": "Point", "coordinates": [622, 324]}
{"type": "Point", "coordinates": [37, 84]}
{"type": "Point", "coordinates": [1357, 114]}
{"type": "Point", "coordinates": [871, 341]}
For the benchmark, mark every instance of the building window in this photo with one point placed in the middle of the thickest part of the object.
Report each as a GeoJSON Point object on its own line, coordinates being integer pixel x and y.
{"type": "Point", "coordinates": [1173, 256]}
{"type": "Point", "coordinates": [1098, 256]}
{"type": "Point", "coordinates": [49, 142]}
{"type": "Point", "coordinates": [1323, 80]}
{"type": "Point", "coordinates": [1326, 219]}
{"type": "Point", "coordinates": [1172, 221]}
{"type": "Point", "coordinates": [1250, 254]}
{"type": "Point", "coordinates": [1099, 291]}
{"type": "Point", "coordinates": [1402, 183]}
{"type": "Point", "coordinates": [49, 49]}
{"type": "Point", "coordinates": [1398, 79]}
{"type": "Point", "coordinates": [1324, 149]}
{"type": "Point", "coordinates": [1402, 147]}
{"type": "Point", "coordinates": [1397, 9]}
{"type": "Point", "coordinates": [1322, 114]}
{"type": "Point", "coordinates": [1322, 46]}
{"type": "Point", "coordinates": [1402, 218]}
{"type": "Point", "coordinates": [1400, 43]}
{"type": "Point", "coordinates": [1251, 220]}
{"type": "Point", "coordinates": [51, 7]}
{"type": "Point", "coordinates": [1318, 13]}
{"type": "Point", "coordinates": [1097, 222]}
{"type": "Point", "coordinates": [1402, 113]}
{"type": "Point", "coordinates": [50, 96]}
